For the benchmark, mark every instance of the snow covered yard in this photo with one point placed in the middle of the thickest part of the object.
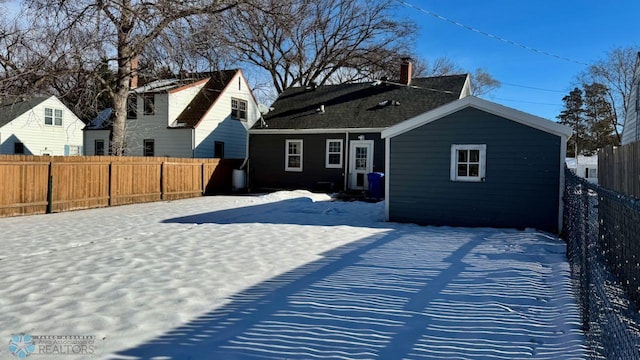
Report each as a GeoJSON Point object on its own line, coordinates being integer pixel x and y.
{"type": "Point", "coordinates": [285, 275]}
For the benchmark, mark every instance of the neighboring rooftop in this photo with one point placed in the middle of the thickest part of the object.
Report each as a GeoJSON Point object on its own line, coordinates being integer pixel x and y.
{"type": "Point", "coordinates": [206, 97]}
{"type": "Point", "coordinates": [363, 105]}
{"type": "Point", "coordinates": [214, 83]}
{"type": "Point", "coordinates": [12, 108]}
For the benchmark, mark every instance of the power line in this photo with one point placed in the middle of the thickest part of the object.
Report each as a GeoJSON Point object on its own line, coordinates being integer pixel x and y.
{"type": "Point", "coordinates": [527, 102]}
{"type": "Point", "coordinates": [532, 87]}
{"type": "Point", "coordinates": [495, 37]}
{"type": "Point", "coordinates": [416, 87]}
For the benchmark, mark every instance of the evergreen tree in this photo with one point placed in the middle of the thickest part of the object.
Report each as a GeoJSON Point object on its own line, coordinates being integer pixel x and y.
{"type": "Point", "coordinates": [573, 116]}
{"type": "Point", "coordinates": [600, 118]}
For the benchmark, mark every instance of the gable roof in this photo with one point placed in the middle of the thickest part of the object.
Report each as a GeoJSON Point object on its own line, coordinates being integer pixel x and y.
{"type": "Point", "coordinates": [205, 98]}
{"type": "Point", "coordinates": [11, 109]}
{"type": "Point", "coordinates": [484, 105]}
{"type": "Point", "coordinates": [214, 84]}
{"type": "Point", "coordinates": [361, 105]}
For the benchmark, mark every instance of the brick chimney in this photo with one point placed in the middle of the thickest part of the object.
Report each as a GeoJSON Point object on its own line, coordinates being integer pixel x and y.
{"type": "Point", "coordinates": [406, 71]}
{"type": "Point", "coordinates": [134, 73]}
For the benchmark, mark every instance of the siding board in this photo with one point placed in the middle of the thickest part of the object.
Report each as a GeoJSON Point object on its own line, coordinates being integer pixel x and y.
{"type": "Point", "coordinates": [522, 174]}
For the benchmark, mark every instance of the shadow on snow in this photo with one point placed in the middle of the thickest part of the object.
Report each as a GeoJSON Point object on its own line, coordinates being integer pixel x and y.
{"type": "Point", "coordinates": [298, 211]}
{"type": "Point", "coordinates": [417, 292]}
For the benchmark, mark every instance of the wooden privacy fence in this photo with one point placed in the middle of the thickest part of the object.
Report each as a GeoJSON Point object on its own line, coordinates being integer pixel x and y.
{"type": "Point", "coordinates": [619, 168]}
{"type": "Point", "coordinates": [41, 184]}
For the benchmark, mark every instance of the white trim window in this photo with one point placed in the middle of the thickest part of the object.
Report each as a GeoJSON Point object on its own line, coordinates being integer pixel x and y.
{"type": "Point", "coordinates": [239, 109]}
{"type": "Point", "coordinates": [468, 162]}
{"type": "Point", "coordinates": [293, 155]}
{"type": "Point", "coordinates": [333, 158]}
{"type": "Point", "coordinates": [52, 116]}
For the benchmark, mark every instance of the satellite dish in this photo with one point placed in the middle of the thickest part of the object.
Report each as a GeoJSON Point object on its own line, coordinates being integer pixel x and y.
{"type": "Point", "coordinates": [263, 109]}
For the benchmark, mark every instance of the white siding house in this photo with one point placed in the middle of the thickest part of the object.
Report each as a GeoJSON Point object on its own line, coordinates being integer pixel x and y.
{"type": "Point", "coordinates": [631, 131]}
{"type": "Point", "coordinates": [585, 167]}
{"type": "Point", "coordinates": [204, 118]}
{"type": "Point", "coordinates": [39, 126]}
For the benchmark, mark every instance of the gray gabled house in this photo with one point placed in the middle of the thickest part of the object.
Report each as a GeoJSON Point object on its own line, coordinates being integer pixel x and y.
{"type": "Point", "coordinates": [475, 163]}
{"type": "Point", "coordinates": [329, 137]}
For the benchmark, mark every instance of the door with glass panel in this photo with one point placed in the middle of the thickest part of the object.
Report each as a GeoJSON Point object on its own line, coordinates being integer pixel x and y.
{"type": "Point", "coordinates": [360, 163]}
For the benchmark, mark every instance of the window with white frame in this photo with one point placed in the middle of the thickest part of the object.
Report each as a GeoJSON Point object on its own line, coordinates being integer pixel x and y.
{"type": "Point", "coordinates": [468, 162]}
{"type": "Point", "coordinates": [74, 150]}
{"type": "Point", "coordinates": [293, 155]}
{"type": "Point", "coordinates": [333, 157]}
{"type": "Point", "coordinates": [238, 109]}
{"type": "Point", "coordinates": [52, 116]}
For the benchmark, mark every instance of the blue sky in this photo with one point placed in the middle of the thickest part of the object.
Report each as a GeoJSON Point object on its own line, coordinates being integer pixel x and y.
{"type": "Point", "coordinates": [583, 31]}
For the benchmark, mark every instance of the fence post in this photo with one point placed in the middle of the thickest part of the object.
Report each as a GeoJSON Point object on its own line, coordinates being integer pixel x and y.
{"type": "Point", "coordinates": [162, 180]}
{"type": "Point", "coordinates": [204, 185]}
{"type": "Point", "coordinates": [109, 185]}
{"type": "Point", "coordinates": [50, 190]}
{"type": "Point", "coordinates": [586, 278]}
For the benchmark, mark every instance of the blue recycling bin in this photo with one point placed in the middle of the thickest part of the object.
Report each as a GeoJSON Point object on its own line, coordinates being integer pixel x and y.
{"type": "Point", "coordinates": [376, 188]}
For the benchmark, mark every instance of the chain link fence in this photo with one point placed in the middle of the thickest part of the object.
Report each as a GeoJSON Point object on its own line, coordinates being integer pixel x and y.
{"type": "Point", "coordinates": [602, 231]}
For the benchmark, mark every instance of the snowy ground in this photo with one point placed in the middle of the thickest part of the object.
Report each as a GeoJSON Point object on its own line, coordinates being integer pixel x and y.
{"type": "Point", "coordinates": [285, 275]}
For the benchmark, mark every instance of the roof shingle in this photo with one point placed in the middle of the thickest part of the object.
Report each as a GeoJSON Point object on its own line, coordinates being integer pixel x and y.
{"type": "Point", "coordinates": [11, 109]}
{"type": "Point", "coordinates": [361, 105]}
{"type": "Point", "coordinates": [205, 98]}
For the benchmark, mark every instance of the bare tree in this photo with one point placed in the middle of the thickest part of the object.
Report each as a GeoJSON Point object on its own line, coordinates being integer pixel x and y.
{"type": "Point", "coordinates": [88, 34]}
{"type": "Point", "coordinates": [481, 81]}
{"type": "Point", "coordinates": [615, 72]}
{"type": "Point", "coordinates": [303, 41]}
{"type": "Point", "coordinates": [436, 67]}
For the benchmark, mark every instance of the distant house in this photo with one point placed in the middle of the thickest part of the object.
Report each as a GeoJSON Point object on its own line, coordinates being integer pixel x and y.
{"type": "Point", "coordinates": [584, 166]}
{"type": "Point", "coordinates": [631, 130]}
{"type": "Point", "coordinates": [39, 126]}
{"type": "Point", "coordinates": [475, 163]}
{"type": "Point", "coordinates": [328, 137]}
{"type": "Point", "coordinates": [194, 117]}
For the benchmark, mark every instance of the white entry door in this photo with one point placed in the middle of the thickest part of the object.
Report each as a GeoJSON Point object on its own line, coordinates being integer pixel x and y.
{"type": "Point", "coordinates": [360, 163]}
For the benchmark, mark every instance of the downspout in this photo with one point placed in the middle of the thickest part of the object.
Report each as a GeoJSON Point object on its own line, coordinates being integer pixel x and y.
{"type": "Point", "coordinates": [346, 160]}
{"type": "Point", "coordinates": [563, 155]}
{"type": "Point", "coordinates": [246, 152]}
{"type": "Point", "coordinates": [244, 163]}
{"type": "Point", "coordinates": [193, 142]}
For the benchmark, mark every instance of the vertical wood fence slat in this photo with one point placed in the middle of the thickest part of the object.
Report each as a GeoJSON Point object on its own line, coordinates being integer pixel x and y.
{"type": "Point", "coordinates": [619, 169]}
{"type": "Point", "coordinates": [82, 182]}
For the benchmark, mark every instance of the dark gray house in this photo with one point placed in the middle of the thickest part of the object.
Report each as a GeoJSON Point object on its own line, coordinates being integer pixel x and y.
{"type": "Point", "coordinates": [328, 137]}
{"type": "Point", "coordinates": [476, 163]}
